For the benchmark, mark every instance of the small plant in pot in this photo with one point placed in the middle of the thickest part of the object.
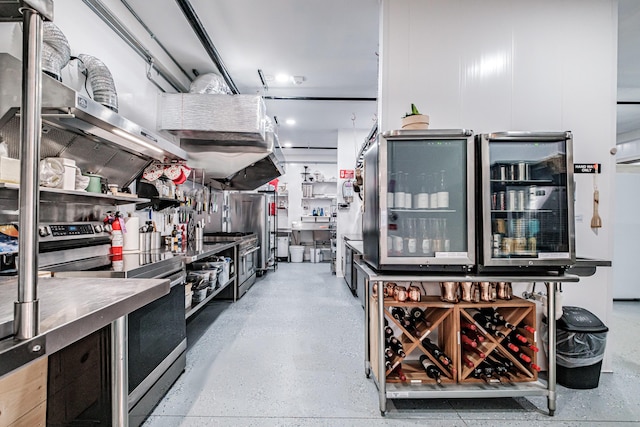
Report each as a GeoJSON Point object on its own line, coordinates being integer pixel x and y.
{"type": "Point", "coordinates": [415, 120]}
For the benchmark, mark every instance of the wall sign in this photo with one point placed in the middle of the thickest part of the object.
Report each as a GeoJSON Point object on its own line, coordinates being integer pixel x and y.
{"type": "Point", "coordinates": [347, 173]}
{"type": "Point", "coordinates": [587, 168]}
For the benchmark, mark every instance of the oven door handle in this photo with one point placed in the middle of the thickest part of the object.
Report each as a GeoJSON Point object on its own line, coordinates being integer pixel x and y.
{"type": "Point", "coordinates": [250, 251]}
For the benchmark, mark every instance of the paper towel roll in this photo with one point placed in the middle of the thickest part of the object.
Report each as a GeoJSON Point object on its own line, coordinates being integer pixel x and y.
{"type": "Point", "coordinates": [132, 224]}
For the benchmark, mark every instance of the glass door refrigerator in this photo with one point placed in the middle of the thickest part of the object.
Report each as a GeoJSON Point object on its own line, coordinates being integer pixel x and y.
{"type": "Point", "coordinates": [419, 208]}
{"type": "Point", "coordinates": [526, 183]}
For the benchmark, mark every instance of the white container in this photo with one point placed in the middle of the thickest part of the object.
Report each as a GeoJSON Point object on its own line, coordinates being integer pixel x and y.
{"type": "Point", "coordinates": [283, 246]}
{"type": "Point", "coordinates": [69, 177]}
{"type": "Point", "coordinates": [9, 170]}
{"type": "Point", "coordinates": [297, 253]}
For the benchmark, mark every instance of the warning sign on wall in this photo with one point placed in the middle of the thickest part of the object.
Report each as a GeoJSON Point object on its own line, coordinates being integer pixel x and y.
{"type": "Point", "coordinates": [347, 173]}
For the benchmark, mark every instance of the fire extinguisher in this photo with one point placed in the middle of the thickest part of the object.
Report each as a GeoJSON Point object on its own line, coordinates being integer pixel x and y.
{"type": "Point", "coordinates": [117, 238]}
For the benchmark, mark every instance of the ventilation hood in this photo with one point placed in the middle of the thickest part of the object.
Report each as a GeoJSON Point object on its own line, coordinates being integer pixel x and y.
{"type": "Point", "coordinates": [76, 127]}
{"type": "Point", "coordinates": [226, 136]}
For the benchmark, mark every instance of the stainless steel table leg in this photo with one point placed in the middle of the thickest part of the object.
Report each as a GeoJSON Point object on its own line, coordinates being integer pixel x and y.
{"type": "Point", "coordinates": [551, 321]}
{"type": "Point", "coordinates": [119, 373]}
{"type": "Point", "coordinates": [382, 378]}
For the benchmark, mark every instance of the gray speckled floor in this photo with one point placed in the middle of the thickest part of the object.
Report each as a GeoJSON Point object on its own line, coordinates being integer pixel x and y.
{"type": "Point", "coordinates": [290, 353]}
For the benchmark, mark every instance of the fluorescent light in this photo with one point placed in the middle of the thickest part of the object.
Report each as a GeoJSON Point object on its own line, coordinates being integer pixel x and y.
{"type": "Point", "coordinates": [290, 122]}
{"type": "Point", "coordinates": [288, 145]}
{"type": "Point", "coordinates": [136, 140]}
{"type": "Point", "coordinates": [283, 78]}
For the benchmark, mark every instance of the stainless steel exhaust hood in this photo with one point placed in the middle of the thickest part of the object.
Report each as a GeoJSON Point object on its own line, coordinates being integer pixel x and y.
{"type": "Point", "coordinates": [226, 135]}
{"type": "Point", "coordinates": [76, 127]}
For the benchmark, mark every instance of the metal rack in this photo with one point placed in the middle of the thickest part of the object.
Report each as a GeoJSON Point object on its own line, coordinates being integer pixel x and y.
{"type": "Point", "coordinates": [474, 390]}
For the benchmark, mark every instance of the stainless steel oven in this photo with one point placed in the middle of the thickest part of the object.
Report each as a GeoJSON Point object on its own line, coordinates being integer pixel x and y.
{"type": "Point", "coordinates": [156, 332]}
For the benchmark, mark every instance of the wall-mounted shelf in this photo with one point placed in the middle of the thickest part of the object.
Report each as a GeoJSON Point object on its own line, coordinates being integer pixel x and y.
{"type": "Point", "coordinates": [10, 191]}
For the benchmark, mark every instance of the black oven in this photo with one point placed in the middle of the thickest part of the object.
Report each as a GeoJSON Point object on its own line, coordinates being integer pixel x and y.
{"type": "Point", "coordinates": [156, 341]}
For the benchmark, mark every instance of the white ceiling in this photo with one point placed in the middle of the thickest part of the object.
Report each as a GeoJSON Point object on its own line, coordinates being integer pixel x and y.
{"type": "Point", "coordinates": [333, 44]}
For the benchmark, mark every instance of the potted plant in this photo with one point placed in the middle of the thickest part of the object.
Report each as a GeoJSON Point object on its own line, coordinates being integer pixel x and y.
{"type": "Point", "coordinates": [415, 120]}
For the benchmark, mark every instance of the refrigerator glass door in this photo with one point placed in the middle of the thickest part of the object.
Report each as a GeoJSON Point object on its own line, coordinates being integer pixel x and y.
{"type": "Point", "coordinates": [530, 220]}
{"type": "Point", "coordinates": [426, 209]}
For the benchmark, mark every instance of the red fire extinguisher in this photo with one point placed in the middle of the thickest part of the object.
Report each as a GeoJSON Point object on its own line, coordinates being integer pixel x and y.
{"type": "Point", "coordinates": [117, 238]}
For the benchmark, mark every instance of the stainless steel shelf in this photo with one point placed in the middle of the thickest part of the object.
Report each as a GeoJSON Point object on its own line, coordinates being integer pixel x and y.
{"type": "Point", "coordinates": [206, 251]}
{"type": "Point", "coordinates": [435, 210]}
{"type": "Point", "coordinates": [72, 196]}
{"type": "Point", "coordinates": [191, 311]}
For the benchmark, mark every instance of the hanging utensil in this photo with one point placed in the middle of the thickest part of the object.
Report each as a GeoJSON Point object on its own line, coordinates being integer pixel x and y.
{"type": "Point", "coordinates": [596, 221]}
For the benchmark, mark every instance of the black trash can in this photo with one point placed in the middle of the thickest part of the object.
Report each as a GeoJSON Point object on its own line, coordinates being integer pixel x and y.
{"type": "Point", "coordinates": [580, 344]}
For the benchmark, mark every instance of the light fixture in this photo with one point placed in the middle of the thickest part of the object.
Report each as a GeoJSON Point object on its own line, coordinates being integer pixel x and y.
{"type": "Point", "coordinates": [288, 145]}
{"type": "Point", "coordinates": [290, 122]}
{"type": "Point", "coordinates": [136, 140]}
{"type": "Point", "coordinates": [283, 78]}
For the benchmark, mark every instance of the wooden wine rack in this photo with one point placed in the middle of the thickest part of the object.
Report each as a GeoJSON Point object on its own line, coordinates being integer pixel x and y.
{"type": "Point", "coordinates": [441, 323]}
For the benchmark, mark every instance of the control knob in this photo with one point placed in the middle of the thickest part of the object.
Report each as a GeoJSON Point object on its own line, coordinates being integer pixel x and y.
{"type": "Point", "coordinates": [43, 231]}
{"type": "Point", "coordinates": [107, 228]}
{"type": "Point", "coordinates": [98, 228]}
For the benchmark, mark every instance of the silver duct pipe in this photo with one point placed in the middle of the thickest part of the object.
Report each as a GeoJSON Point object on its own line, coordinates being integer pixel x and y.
{"type": "Point", "coordinates": [26, 308]}
{"type": "Point", "coordinates": [55, 50]}
{"type": "Point", "coordinates": [102, 85]}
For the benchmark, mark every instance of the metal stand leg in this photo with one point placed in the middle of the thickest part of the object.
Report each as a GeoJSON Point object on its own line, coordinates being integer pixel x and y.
{"type": "Point", "coordinates": [119, 373]}
{"type": "Point", "coordinates": [367, 360]}
{"type": "Point", "coordinates": [551, 321]}
{"type": "Point", "coordinates": [382, 378]}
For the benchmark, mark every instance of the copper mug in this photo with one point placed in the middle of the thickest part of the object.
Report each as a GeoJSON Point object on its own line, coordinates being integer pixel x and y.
{"type": "Point", "coordinates": [504, 290]}
{"type": "Point", "coordinates": [466, 291]}
{"type": "Point", "coordinates": [400, 293]}
{"type": "Point", "coordinates": [389, 288]}
{"type": "Point", "coordinates": [487, 292]}
{"type": "Point", "coordinates": [414, 293]}
{"type": "Point", "coordinates": [448, 291]}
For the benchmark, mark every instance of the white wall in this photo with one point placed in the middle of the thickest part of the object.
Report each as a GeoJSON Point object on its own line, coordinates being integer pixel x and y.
{"type": "Point", "coordinates": [544, 65]}
{"type": "Point", "coordinates": [627, 236]}
{"type": "Point", "coordinates": [350, 219]}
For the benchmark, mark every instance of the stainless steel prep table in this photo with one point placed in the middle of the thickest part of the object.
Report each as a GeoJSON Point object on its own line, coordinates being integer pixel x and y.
{"type": "Point", "coordinates": [394, 391]}
{"type": "Point", "coordinates": [72, 308]}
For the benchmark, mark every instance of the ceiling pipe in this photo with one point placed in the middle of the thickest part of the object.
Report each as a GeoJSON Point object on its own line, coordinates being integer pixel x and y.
{"type": "Point", "coordinates": [193, 19]}
{"type": "Point", "coordinates": [119, 28]}
{"type": "Point", "coordinates": [319, 98]}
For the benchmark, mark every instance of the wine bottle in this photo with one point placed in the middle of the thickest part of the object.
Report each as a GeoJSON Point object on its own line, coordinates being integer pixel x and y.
{"type": "Point", "coordinates": [388, 332]}
{"type": "Point", "coordinates": [497, 318]}
{"type": "Point", "coordinates": [467, 361]}
{"type": "Point", "coordinates": [474, 335]}
{"type": "Point", "coordinates": [500, 369]}
{"type": "Point", "coordinates": [431, 369]}
{"type": "Point", "coordinates": [498, 334]}
{"type": "Point", "coordinates": [398, 312]}
{"type": "Point", "coordinates": [416, 312]}
{"type": "Point", "coordinates": [465, 340]}
{"type": "Point", "coordinates": [474, 350]}
{"type": "Point", "coordinates": [387, 362]}
{"type": "Point", "coordinates": [436, 352]}
{"type": "Point", "coordinates": [535, 367]}
{"type": "Point", "coordinates": [443, 193]}
{"type": "Point", "coordinates": [528, 328]}
{"type": "Point", "coordinates": [389, 353]}
{"type": "Point", "coordinates": [399, 193]}
{"type": "Point", "coordinates": [482, 320]}
{"type": "Point", "coordinates": [396, 346]}
{"type": "Point", "coordinates": [515, 350]}
{"type": "Point", "coordinates": [489, 370]}
{"type": "Point", "coordinates": [400, 373]}
{"type": "Point", "coordinates": [467, 325]}
{"type": "Point", "coordinates": [522, 341]}
{"type": "Point", "coordinates": [482, 372]}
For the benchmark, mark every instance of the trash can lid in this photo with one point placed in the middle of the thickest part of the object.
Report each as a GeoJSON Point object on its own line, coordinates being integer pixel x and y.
{"type": "Point", "coordinates": [578, 319]}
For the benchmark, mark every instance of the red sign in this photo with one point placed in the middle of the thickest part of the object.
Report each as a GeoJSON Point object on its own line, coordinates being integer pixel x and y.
{"type": "Point", "coordinates": [347, 173]}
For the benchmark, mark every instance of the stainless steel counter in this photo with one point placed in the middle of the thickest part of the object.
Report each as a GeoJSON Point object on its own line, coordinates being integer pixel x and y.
{"type": "Point", "coordinates": [356, 245]}
{"type": "Point", "coordinates": [208, 249]}
{"type": "Point", "coordinates": [585, 267]}
{"type": "Point", "coordinates": [72, 308]}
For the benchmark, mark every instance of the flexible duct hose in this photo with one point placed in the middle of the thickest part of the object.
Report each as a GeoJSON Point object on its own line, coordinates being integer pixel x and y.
{"type": "Point", "coordinates": [99, 76]}
{"type": "Point", "coordinates": [55, 50]}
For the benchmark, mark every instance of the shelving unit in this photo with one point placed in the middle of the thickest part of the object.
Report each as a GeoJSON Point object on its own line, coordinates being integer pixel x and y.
{"type": "Point", "coordinates": [193, 309]}
{"type": "Point", "coordinates": [9, 191]}
{"type": "Point", "coordinates": [444, 329]}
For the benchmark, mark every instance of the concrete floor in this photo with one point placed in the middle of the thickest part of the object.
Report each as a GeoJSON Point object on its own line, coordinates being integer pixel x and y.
{"type": "Point", "coordinates": [290, 353]}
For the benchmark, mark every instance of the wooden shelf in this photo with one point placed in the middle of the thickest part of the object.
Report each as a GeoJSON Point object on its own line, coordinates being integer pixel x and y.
{"type": "Point", "coordinates": [441, 324]}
